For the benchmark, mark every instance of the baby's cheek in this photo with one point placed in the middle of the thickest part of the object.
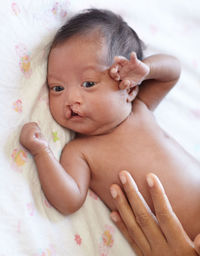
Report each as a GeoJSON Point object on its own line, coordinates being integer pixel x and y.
{"type": "Point", "coordinates": [54, 108]}
{"type": "Point", "coordinates": [50, 106]}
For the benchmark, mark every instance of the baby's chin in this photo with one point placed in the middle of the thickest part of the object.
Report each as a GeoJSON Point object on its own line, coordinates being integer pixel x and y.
{"type": "Point", "coordinates": [89, 131]}
{"type": "Point", "coordinates": [95, 132]}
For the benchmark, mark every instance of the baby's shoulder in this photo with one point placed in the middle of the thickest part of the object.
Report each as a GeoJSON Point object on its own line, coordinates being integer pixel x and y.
{"type": "Point", "coordinates": [73, 144]}
{"type": "Point", "coordinates": [76, 146]}
{"type": "Point", "coordinates": [72, 152]}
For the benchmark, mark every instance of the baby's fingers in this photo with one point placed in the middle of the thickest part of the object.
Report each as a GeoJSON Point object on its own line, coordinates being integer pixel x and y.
{"type": "Point", "coordinates": [133, 58]}
{"type": "Point", "coordinates": [125, 84]}
{"type": "Point", "coordinates": [114, 72]}
{"type": "Point", "coordinates": [119, 62]}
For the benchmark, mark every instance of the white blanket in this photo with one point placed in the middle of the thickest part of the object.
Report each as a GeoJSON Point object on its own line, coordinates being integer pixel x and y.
{"type": "Point", "coordinates": [29, 225]}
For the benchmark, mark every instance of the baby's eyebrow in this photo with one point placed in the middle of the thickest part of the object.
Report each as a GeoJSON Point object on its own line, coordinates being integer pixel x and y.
{"type": "Point", "coordinates": [52, 77]}
{"type": "Point", "coordinates": [92, 68]}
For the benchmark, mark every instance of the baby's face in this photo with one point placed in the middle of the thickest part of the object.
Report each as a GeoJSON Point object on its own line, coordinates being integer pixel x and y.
{"type": "Point", "coordinates": [82, 95]}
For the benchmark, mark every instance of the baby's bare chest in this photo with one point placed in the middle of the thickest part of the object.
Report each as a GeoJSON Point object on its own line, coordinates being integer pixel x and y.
{"type": "Point", "coordinates": [132, 147]}
{"type": "Point", "coordinates": [140, 149]}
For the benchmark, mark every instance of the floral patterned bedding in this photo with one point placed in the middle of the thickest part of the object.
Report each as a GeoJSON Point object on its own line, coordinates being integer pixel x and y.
{"type": "Point", "coordinates": [29, 225]}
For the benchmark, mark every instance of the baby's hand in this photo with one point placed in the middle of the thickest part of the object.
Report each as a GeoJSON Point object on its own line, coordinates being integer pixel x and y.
{"type": "Point", "coordinates": [32, 139]}
{"type": "Point", "coordinates": [131, 72]}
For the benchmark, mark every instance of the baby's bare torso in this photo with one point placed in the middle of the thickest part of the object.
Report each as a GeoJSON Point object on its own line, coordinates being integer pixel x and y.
{"type": "Point", "coordinates": [140, 146]}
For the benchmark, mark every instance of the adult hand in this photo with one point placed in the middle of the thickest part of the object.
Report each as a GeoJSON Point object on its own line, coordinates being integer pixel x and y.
{"type": "Point", "coordinates": [150, 235]}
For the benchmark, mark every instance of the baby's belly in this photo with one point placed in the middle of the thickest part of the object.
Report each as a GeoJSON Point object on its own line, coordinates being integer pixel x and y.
{"type": "Point", "coordinates": [178, 172]}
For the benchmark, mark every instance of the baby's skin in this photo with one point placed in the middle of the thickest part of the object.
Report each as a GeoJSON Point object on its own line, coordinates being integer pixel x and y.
{"type": "Point", "coordinates": [111, 111]}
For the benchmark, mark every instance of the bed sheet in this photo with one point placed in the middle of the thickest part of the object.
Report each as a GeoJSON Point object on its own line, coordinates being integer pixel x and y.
{"type": "Point", "coordinates": [29, 224]}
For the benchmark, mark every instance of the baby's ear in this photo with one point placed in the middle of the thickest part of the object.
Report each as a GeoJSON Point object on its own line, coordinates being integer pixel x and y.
{"type": "Point", "coordinates": [132, 93]}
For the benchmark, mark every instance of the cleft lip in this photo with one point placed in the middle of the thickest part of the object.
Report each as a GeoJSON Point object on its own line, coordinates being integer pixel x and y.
{"type": "Point", "coordinates": [75, 113]}
{"type": "Point", "coordinates": [72, 113]}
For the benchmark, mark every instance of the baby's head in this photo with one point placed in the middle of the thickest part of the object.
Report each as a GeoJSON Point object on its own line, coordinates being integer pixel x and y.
{"type": "Point", "coordinates": [82, 95]}
{"type": "Point", "coordinates": [120, 39]}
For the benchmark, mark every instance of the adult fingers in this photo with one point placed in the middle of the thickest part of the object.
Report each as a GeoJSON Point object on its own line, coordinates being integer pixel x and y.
{"type": "Point", "coordinates": [197, 244]}
{"type": "Point", "coordinates": [165, 215]}
{"type": "Point", "coordinates": [122, 227]}
{"type": "Point", "coordinates": [128, 217]}
{"type": "Point", "coordinates": [142, 212]}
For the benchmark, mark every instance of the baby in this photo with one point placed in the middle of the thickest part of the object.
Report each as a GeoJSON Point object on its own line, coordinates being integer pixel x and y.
{"type": "Point", "coordinates": [108, 101]}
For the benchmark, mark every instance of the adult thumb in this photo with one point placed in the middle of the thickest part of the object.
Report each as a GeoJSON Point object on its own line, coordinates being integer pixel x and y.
{"type": "Point", "coordinates": [197, 243]}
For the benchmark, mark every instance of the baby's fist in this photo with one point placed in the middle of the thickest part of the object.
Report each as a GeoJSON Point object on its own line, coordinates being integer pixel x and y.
{"type": "Point", "coordinates": [32, 139]}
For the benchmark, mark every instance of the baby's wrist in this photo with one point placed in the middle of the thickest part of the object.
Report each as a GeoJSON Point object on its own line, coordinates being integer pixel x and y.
{"type": "Point", "coordinates": [41, 151]}
{"type": "Point", "coordinates": [148, 63]}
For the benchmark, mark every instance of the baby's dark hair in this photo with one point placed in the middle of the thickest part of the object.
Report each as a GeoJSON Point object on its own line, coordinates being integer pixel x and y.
{"type": "Point", "coordinates": [121, 39]}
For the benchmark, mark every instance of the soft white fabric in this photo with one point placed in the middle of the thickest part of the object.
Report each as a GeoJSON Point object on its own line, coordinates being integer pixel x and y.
{"type": "Point", "coordinates": [29, 225]}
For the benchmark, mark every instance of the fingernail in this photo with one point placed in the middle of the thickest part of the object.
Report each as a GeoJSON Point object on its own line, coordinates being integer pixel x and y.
{"type": "Point", "coordinates": [150, 181]}
{"type": "Point", "coordinates": [122, 178]}
{"type": "Point", "coordinates": [127, 82]}
{"type": "Point", "coordinates": [113, 192]}
{"type": "Point", "coordinates": [114, 217]}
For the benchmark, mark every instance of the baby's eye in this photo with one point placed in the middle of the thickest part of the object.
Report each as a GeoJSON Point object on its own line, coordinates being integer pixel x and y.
{"type": "Point", "coordinates": [57, 88]}
{"type": "Point", "coordinates": [88, 84]}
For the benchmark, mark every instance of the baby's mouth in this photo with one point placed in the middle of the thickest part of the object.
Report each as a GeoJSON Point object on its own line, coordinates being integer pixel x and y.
{"type": "Point", "coordinates": [74, 113]}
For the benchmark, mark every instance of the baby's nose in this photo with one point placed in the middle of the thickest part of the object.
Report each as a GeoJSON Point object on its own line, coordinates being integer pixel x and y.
{"type": "Point", "coordinates": [73, 96]}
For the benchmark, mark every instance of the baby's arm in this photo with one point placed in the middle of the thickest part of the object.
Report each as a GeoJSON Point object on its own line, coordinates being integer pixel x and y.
{"type": "Point", "coordinates": [164, 74]}
{"type": "Point", "coordinates": [65, 185]}
{"type": "Point", "coordinates": [156, 75]}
